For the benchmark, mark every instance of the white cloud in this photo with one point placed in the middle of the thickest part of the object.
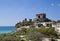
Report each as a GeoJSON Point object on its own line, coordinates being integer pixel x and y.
{"type": "Point", "coordinates": [52, 4]}
{"type": "Point", "coordinates": [58, 4]}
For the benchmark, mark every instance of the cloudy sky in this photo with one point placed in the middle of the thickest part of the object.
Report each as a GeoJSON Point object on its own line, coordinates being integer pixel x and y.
{"type": "Point", "coordinates": [13, 11]}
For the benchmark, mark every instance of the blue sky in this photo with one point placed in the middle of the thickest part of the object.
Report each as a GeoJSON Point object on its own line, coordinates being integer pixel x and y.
{"type": "Point", "coordinates": [13, 11]}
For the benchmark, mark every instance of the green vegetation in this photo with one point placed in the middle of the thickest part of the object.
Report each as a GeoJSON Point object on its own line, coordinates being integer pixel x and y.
{"type": "Point", "coordinates": [47, 31]}
{"type": "Point", "coordinates": [9, 37]}
{"type": "Point", "coordinates": [35, 34]}
{"type": "Point", "coordinates": [58, 21]}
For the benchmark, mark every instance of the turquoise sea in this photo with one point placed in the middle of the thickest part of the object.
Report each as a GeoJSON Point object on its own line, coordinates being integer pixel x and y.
{"type": "Point", "coordinates": [7, 29]}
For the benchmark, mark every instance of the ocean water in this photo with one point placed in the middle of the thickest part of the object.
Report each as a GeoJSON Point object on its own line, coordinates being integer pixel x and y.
{"type": "Point", "coordinates": [7, 29]}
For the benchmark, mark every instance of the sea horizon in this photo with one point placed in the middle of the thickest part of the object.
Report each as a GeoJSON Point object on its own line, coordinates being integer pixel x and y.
{"type": "Point", "coordinates": [7, 29]}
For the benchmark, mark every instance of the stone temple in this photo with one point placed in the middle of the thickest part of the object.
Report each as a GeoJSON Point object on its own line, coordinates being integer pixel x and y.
{"type": "Point", "coordinates": [41, 20]}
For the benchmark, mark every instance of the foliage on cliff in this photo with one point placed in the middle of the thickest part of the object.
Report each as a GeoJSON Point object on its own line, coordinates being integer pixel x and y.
{"type": "Point", "coordinates": [9, 37]}
{"type": "Point", "coordinates": [46, 31]}
{"type": "Point", "coordinates": [24, 23]}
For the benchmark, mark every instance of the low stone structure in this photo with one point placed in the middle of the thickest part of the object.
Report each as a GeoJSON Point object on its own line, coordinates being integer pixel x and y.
{"type": "Point", "coordinates": [46, 24]}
